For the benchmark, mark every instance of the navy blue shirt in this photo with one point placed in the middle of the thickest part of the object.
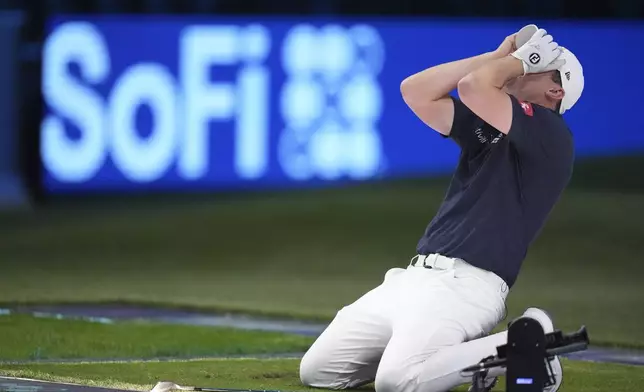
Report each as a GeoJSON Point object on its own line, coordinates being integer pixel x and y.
{"type": "Point", "coordinates": [503, 189]}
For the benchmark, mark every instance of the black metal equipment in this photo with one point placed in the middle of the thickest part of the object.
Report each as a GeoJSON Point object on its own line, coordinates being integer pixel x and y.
{"type": "Point", "coordinates": [527, 355]}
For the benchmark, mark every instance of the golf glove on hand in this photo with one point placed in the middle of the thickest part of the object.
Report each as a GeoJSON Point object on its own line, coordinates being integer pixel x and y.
{"type": "Point", "coordinates": [539, 54]}
{"type": "Point", "coordinates": [524, 35]}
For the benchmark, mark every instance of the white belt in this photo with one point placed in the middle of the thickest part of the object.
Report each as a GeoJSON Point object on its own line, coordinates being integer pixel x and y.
{"type": "Point", "coordinates": [440, 262]}
{"type": "Point", "coordinates": [435, 261]}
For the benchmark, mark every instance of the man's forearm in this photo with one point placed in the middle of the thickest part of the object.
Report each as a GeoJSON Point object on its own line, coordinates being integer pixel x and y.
{"type": "Point", "coordinates": [437, 82]}
{"type": "Point", "coordinates": [497, 72]}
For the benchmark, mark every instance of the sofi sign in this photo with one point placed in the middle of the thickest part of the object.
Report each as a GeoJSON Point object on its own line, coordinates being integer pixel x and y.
{"type": "Point", "coordinates": [178, 104]}
{"type": "Point", "coordinates": [180, 107]}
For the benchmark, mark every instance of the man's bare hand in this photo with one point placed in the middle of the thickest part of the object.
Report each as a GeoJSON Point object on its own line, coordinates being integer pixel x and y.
{"type": "Point", "coordinates": [507, 47]}
{"type": "Point", "coordinates": [514, 41]}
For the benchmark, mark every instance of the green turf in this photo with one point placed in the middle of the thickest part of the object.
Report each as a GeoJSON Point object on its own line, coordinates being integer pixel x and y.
{"type": "Point", "coordinates": [27, 338]}
{"type": "Point", "coordinates": [309, 253]}
{"type": "Point", "coordinates": [279, 374]}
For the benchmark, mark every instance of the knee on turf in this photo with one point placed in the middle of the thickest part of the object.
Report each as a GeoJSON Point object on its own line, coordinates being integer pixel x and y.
{"type": "Point", "coordinates": [404, 379]}
{"type": "Point", "coordinates": [313, 374]}
{"type": "Point", "coordinates": [392, 380]}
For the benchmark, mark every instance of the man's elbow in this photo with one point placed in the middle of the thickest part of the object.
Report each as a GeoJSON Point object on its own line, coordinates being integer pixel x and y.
{"type": "Point", "coordinates": [407, 89]}
{"type": "Point", "coordinates": [468, 86]}
{"type": "Point", "coordinates": [417, 94]}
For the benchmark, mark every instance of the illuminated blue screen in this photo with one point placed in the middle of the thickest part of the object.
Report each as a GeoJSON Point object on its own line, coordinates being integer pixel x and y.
{"type": "Point", "coordinates": [181, 104]}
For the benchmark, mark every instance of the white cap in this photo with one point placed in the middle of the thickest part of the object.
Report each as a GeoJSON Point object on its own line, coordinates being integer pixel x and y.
{"type": "Point", "coordinates": [572, 80]}
{"type": "Point", "coordinates": [572, 73]}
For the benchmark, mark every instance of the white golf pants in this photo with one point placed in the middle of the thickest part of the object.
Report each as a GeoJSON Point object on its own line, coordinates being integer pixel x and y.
{"type": "Point", "coordinates": [414, 332]}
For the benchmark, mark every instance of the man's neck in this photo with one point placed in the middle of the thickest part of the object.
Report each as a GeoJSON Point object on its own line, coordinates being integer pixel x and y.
{"type": "Point", "coordinates": [546, 103]}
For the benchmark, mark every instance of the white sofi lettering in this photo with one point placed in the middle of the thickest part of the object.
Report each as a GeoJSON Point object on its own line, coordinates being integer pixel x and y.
{"type": "Point", "coordinates": [65, 159]}
{"type": "Point", "coordinates": [252, 125]}
{"type": "Point", "coordinates": [201, 48]}
{"type": "Point", "coordinates": [148, 159]}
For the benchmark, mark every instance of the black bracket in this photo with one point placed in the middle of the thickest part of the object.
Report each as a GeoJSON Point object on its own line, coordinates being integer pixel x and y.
{"type": "Point", "coordinates": [527, 355]}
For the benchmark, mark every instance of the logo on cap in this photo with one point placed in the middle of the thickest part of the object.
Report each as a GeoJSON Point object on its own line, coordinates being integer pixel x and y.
{"type": "Point", "coordinates": [534, 58]}
{"type": "Point", "coordinates": [567, 75]}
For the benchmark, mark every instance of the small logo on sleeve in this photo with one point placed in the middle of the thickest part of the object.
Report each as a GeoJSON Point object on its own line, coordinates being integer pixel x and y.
{"type": "Point", "coordinates": [527, 108]}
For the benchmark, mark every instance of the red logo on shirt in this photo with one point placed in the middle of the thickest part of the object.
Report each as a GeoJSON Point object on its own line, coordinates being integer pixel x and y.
{"type": "Point", "coordinates": [527, 108]}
